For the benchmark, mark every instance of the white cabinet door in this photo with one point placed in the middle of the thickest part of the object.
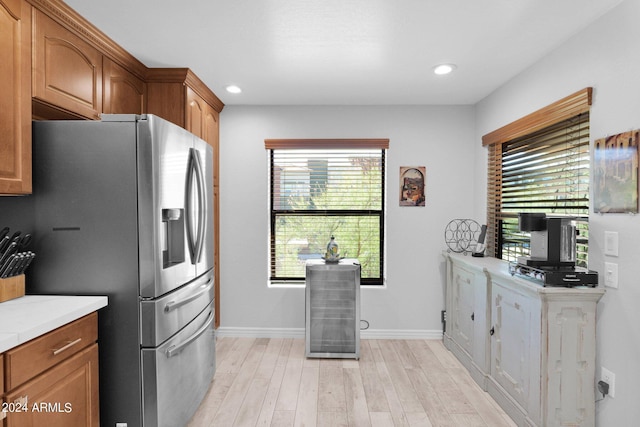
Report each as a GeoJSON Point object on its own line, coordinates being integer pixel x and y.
{"type": "Point", "coordinates": [510, 345]}
{"type": "Point", "coordinates": [463, 308]}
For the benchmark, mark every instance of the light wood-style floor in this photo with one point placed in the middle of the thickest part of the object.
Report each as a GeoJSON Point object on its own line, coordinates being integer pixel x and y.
{"type": "Point", "coordinates": [269, 382]}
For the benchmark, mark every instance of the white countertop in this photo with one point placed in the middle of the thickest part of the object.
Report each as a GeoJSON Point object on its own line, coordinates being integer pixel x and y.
{"type": "Point", "coordinates": [30, 316]}
{"type": "Point", "coordinates": [500, 268]}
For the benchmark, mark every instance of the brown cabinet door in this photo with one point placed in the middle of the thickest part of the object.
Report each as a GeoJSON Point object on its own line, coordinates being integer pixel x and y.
{"type": "Point", "coordinates": [123, 92]}
{"type": "Point", "coordinates": [15, 98]}
{"type": "Point", "coordinates": [66, 395]}
{"type": "Point", "coordinates": [67, 70]}
{"type": "Point", "coordinates": [195, 113]}
{"type": "Point", "coordinates": [211, 129]}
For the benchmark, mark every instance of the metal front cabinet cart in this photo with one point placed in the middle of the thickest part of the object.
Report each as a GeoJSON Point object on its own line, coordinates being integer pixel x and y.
{"type": "Point", "coordinates": [332, 309]}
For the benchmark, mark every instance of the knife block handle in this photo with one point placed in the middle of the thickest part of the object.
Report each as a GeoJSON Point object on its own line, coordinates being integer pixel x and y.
{"type": "Point", "coordinates": [11, 287]}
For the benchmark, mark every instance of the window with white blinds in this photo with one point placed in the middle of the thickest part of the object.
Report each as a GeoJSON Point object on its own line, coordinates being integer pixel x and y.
{"type": "Point", "coordinates": [539, 164]}
{"type": "Point", "coordinates": [547, 171]}
{"type": "Point", "coordinates": [322, 189]}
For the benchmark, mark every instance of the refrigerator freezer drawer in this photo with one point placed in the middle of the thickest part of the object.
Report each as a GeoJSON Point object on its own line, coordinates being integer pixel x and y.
{"type": "Point", "coordinates": [163, 317]}
{"type": "Point", "coordinates": [177, 375]}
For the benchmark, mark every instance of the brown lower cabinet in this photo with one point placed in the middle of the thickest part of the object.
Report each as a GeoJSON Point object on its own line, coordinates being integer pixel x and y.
{"type": "Point", "coordinates": [62, 389]}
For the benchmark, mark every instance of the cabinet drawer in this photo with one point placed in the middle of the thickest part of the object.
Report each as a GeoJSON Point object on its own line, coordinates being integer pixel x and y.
{"type": "Point", "coordinates": [30, 359]}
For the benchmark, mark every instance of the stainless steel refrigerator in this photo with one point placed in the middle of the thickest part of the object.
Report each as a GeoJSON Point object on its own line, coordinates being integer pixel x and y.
{"type": "Point", "coordinates": [123, 208]}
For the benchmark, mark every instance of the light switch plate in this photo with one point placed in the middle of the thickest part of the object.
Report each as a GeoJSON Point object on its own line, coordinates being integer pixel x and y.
{"type": "Point", "coordinates": [611, 274]}
{"type": "Point", "coordinates": [611, 243]}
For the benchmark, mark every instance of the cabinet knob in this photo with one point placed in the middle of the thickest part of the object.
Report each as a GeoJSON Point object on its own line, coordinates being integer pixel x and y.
{"type": "Point", "coordinates": [492, 331]}
{"type": "Point", "coordinates": [473, 316]}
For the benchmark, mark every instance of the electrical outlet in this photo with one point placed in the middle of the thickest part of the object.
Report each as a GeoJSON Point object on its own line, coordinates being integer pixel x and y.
{"type": "Point", "coordinates": [610, 378]}
{"type": "Point", "coordinates": [611, 274]}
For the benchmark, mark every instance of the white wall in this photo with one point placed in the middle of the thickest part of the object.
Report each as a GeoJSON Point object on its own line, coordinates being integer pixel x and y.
{"type": "Point", "coordinates": [605, 56]}
{"type": "Point", "coordinates": [439, 138]}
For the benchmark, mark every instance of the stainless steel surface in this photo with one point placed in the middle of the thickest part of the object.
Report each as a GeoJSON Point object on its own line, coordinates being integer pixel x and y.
{"type": "Point", "coordinates": [332, 309]}
{"type": "Point", "coordinates": [163, 156]}
{"type": "Point", "coordinates": [110, 201]}
{"type": "Point", "coordinates": [163, 317]}
{"type": "Point", "coordinates": [568, 242]}
{"type": "Point", "coordinates": [177, 374]}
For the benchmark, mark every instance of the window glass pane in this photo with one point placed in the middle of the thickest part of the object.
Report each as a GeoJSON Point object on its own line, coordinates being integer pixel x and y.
{"type": "Point", "coordinates": [302, 237]}
{"type": "Point", "coordinates": [318, 193]}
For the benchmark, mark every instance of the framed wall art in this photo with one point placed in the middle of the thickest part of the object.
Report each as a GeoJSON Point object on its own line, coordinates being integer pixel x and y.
{"type": "Point", "coordinates": [615, 173]}
{"type": "Point", "coordinates": [412, 179]}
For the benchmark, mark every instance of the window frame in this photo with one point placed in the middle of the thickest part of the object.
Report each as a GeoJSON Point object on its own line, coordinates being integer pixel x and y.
{"type": "Point", "coordinates": [329, 145]}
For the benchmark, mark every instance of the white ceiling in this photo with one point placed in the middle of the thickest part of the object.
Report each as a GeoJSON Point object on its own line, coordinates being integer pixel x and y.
{"type": "Point", "coordinates": [337, 52]}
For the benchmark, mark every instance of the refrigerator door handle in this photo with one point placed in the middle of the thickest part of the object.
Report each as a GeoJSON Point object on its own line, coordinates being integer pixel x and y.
{"type": "Point", "coordinates": [176, 349]}
{"type": "Point", "coordinates": [202, 205]}
{"type": "Point", "coordinates": [188, 205]}
{"type": "Point", "coordinates": [195, 214]}
{"type": "Point", "coordinates": [204, 288]}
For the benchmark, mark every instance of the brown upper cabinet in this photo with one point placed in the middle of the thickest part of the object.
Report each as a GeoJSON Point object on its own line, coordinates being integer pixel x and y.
{"type": "Point", "coordinates": [179, 96]}
{"type": "Point", "coordinates": [123, 93]}
{"type": "Point", "coordinates": [15, 101]}
{"type": "Point", "coordinates": [67, 71]}
{"type": "Point", "coordinates": [78, 71]}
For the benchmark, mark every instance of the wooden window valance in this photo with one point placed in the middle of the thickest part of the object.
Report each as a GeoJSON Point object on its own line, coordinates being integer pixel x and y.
{"type": "Point", "coordinates": [563, 109]}
{"type": "Point", "coordinates": [279, 144]}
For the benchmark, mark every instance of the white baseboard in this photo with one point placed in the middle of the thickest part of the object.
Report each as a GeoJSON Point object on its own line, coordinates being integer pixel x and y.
{"type": "Point", "coordinates": [260, 332]}
{"type": "Point", "coordinates": [371, 334]}
{"type": "Point", "coordinates": [400, 334]}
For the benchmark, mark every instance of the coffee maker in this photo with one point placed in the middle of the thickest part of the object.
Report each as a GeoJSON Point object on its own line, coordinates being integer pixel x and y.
{"type": "Point", "coordinates": [552, 259]}
{"type": "Point", "coordinates": [553, 240]}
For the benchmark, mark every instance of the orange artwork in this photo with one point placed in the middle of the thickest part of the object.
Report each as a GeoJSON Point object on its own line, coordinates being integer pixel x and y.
{"type": "Point", "coordinates": [412, 179]}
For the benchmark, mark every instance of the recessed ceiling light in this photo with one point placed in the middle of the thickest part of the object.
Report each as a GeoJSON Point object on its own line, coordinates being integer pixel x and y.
{"type": "Point", "coordinates": [444, 69]}
{"type": "Point", "coordinates": [233, 89]}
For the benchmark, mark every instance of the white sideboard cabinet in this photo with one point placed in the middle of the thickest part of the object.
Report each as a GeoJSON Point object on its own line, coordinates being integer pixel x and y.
{"type": "Point", "coordinates": [539, 342]}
